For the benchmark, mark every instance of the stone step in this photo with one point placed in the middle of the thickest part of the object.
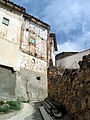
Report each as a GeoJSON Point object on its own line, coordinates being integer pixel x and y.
{"type": "Point", "coordinates": [57, 106]}
{"type": "Point", "coordinates": [46, 104]}
{"type": "Point", "coordinates": [47, 108]}
{"type": "Point", "coordinates": [56, 114]}
{"type": "Point", "coordinates": [51, 109]}
{"type": "Point", "coordinates": [50, 103]}
{"type": "Point", "coordinates": [45, 115]}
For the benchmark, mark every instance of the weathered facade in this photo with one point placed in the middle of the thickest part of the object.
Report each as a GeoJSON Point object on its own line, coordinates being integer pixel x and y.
{"type": "Point", "coordinates": [33, 59]}
{"type": "Point", "coordinates": [10, 30]}
{"type": "Point", "coordinates": [24, 52]}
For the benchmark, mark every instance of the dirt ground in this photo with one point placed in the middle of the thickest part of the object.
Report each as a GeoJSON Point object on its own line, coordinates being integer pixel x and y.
{"type": "Point", "coordinates": [29, 111]}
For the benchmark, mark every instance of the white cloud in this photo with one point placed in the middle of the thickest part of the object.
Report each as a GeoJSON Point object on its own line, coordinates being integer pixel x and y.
{"type": "Point", "coordinates": [70, 19]}
{"type": "Point", "coordinates": [81, 43]}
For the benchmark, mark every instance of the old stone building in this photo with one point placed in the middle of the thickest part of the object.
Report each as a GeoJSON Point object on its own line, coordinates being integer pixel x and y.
{"type": "Point", "coordinates": [33, 59]}
{"type": "Point", "coordinates": [10, 29]}
{"type": "Point", "coordinates": [25, 52]}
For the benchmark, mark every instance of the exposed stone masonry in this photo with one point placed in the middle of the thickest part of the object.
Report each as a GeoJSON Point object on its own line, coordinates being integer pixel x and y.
{"type": "Point", "coordinates": [72, 88]}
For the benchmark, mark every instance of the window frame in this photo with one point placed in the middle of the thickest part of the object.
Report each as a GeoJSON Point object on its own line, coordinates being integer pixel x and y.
{"type": "Point", "coordinates": [5, 21]}
{"type": "Point", "coordinates": [33, 38]}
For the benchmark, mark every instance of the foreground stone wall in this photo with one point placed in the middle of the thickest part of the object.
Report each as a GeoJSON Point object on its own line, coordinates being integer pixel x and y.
{"type": "Point", "coordinates": [72, 88]}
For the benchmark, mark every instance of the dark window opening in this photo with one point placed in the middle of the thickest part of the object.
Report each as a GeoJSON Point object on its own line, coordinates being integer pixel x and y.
{"type": "Point", "coordinates": [27, 29]}
{"type": "Point", "coordinates": [10, 10]}
{"type": "Point", "coordinates": [38, 78]}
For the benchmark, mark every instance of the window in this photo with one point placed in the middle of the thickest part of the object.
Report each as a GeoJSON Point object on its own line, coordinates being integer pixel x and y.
{"type": "Point", "coordinates": [32, 41]}
{"type": "Point", "coordinates": [5, 21]}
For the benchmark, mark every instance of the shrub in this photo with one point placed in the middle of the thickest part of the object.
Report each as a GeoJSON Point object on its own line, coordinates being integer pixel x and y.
{"type": "Point", "coordinates": [5, 108]}
{"type": "Point", "coordinates": [15, 105]}
{"type": "Point", "coordinates": [9, 105]}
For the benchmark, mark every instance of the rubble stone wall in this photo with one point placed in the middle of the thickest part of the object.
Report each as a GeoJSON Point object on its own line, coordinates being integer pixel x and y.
{"type": "Point", "coordinates": [72, 88]}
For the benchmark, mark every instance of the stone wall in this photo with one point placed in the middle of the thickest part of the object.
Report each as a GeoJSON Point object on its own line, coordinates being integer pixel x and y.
{"type": "Point", "coordinates": [31, 81]}
{"type": "Point", "coordinates": [72, 88]}
{"type": "Point", "coordinates": [31, 85]}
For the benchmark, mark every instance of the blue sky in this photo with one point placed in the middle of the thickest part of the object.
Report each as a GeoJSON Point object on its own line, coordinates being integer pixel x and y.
{"type": "Point", "coordinates": [69, 19]}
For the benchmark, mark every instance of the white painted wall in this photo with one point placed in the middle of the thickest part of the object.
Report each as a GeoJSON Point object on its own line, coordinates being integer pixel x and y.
{"type": "Point", "coordinates": [10, 37]}
{"type": "Point", "coordinates": [40, 36]}
{"type": "Point", "coordinates": [39, 30]}
{"type": "Point", "coordinates": [72, 61]}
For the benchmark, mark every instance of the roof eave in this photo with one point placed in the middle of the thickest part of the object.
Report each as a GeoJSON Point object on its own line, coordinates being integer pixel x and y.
{"type": "Point", "coordinates": [36, 20]}
{"type": "Point", "coordinates": [13, 5]}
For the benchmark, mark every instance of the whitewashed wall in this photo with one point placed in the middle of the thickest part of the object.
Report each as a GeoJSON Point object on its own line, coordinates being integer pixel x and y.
{"type": "Point", "coordinates": [72, 61]}
{"type": "Point", "coordinates": [39, 34]}
{"type": "Point", "coordinates": [10, 37]}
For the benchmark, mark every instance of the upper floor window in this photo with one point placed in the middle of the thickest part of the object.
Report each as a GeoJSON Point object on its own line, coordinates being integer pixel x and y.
{"type": "Point", "coordinates": [32, 41]}
{"type": "Point", "coordinates": [5, 21]}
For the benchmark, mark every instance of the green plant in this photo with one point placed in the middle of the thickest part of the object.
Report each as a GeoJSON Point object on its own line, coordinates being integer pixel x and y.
{"type": "Point", "coordinates": [9, 105]}
{"type": "Point", "coordinates": [15, 105]}
{"type": "Point", "coordinates": [2, 102]}
{"type": "Point", "coordinates": [5, 108]}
